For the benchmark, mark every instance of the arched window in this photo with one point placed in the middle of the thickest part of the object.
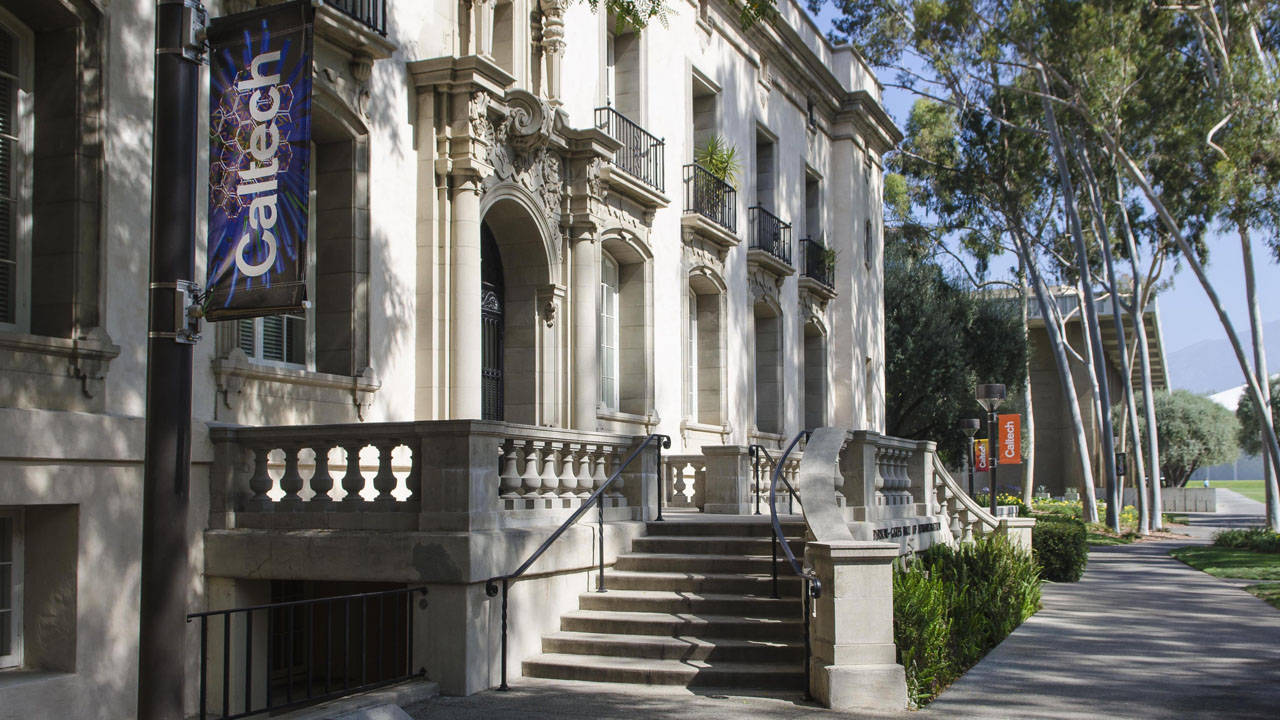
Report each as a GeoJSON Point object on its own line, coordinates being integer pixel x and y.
{"type": "Point", "coordinates": [609, 375]}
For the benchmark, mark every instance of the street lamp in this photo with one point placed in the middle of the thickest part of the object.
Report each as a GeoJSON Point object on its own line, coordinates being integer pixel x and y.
{"type": "Point", "coordinates": [989, 397]}
{"type": "Point", "coordinates": [969, 426]}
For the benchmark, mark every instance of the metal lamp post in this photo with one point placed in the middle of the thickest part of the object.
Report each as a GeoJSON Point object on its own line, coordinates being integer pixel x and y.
{"type": "Point", "coordinates": [989, 397]}
{"type": "Point", "coordinates": [969, 426]}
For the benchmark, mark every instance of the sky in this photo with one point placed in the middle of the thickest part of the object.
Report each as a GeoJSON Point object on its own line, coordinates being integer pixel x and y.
{"type": "Point", "coordinates": [1187, 317]}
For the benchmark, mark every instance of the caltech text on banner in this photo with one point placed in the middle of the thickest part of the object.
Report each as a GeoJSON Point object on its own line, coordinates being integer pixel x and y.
{"type": "Point", "coordinates": [259, 157]}
{"type": "Point", "coordinates": [1010, 439]}
{"type": "Point", "coordinates": [980, 463]}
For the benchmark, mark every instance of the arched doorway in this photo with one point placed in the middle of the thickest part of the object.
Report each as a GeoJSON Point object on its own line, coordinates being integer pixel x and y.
{"type": "Point", "coordinates": [492, 304]}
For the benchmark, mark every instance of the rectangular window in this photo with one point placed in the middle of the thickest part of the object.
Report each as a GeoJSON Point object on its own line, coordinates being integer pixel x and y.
{"type": "Point", "coordinates": [609, 333]}
{"type": "Point", "coordinates": [764, 171]}
{"type": "Point", "coordinates": [10, 588]}
{"type": "Point", "coordinates": [15, 175]}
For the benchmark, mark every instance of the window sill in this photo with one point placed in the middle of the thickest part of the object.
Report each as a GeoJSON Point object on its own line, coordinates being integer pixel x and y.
{"type": "Point", "coordinates": [76, 366]}
{"type": "Point", "coordinates": [12, 678]}
{"type": "Point", "coordinates": [648, 421]}
{"type": "Point", "coordinates": [231, 372]}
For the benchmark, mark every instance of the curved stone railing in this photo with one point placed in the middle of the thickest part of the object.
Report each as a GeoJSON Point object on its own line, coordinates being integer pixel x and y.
{"type": "Point", "coordinates": [968, 518]}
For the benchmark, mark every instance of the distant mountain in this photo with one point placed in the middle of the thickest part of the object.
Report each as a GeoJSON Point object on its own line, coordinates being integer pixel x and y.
{"type": "Point", "coordinates": [1210, 366]}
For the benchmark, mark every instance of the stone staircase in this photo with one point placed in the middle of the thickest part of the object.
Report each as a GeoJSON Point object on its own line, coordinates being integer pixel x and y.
{"type": "Point", "coordinates": [691, 606]}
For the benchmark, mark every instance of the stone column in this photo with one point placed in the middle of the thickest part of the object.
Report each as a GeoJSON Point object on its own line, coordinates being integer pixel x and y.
{"type": "Point", "coordinates": [920, 472]}
{"type": "Point", "coordinates": [484, 26]}
{"type": "Point", "coordinates": [465, 352]}
{"type": "Point", "coordinates": [586, 345]}
{"type": "Point", "coordinates": [728, 485]}
{"type": "Point", "coordinates": [853, 666]}
{"type": "Point", "coordinates": [553, 45]}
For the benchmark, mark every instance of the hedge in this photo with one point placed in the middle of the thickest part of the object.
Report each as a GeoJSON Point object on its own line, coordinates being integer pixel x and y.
{"type": "Point", "coordinates": [1061, 548]}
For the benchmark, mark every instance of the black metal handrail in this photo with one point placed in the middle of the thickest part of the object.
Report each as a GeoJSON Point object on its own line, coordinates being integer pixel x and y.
{"type": "Point", "coordinates": [812, 585]}
{"type": "Point", "coordinates": [492, 586]}
{"type": "Point", "coordinates": [815, 261]}
{"type": "Point", "coordinates": [710, 197]}
{"type": "Point", "coordinates": [769, 233]}
{"type": "Point", "coordinates": [641, 154]}
{"type": "Point", "coordinates": [345, 684]}
{"type": "Point", "coordinates": [372, 13]}
{"type": "Point", "coordinates": [754, 452]}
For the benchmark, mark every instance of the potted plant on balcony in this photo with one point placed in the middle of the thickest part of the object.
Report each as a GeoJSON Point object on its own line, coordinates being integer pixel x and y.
{"type": "Point", "coordinates": [719, 158]}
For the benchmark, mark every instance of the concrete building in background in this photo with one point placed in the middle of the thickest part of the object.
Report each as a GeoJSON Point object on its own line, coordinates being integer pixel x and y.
{"type": "Point", "coordinates": [517, 271]}
{"type": "Point", "coordinates": [1057, 464]}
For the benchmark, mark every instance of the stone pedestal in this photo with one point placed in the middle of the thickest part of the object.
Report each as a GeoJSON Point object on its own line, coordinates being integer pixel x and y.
{"type": "Point", "coordinates": [728, 485]}
{"type": "Point", "coordinates": [853, 663]}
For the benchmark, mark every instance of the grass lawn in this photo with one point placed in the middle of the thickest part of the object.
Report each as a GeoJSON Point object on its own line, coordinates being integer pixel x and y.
{"type": "Point", "coordinates": [1251, 489]}
{"type": "Point", "coordinates": [1267, 591]}
{"type": "Point", "coordinates": [1228, 563]}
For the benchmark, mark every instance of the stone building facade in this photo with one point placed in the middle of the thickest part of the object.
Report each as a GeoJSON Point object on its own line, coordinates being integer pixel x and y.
{"type": "Point", "coordinates": [509, 229]}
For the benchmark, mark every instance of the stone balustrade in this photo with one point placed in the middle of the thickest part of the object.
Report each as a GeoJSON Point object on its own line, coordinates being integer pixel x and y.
{"type": "Point", "coordinates": [439, 475]}
{"type": "Point", "coordinates": [968, 519]}
{"type": "Point", "coordinates": [886, 477]}
{"type": "Point", "coordinates": [684, 484]}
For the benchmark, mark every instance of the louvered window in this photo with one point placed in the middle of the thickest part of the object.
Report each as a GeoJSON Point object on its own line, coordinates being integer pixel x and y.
{"type": "Point", "coordinates": [10, 296]}
{"type": "Point", "coordinates": [286, 339]}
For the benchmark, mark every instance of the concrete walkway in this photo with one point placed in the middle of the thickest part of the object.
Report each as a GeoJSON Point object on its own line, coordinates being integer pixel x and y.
{"type": "Point", "coordinates": [1141, 636]}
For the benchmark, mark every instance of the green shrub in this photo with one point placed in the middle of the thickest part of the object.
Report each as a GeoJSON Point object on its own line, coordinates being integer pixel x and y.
{"type": "Point", "coordinates": [953, 605]}
{"type": "Point", "coordinates": [1256, 539]}
{"type": "Point", "coordinates": [922, 626]}
{"type": "Point", "coordinates": [1061, 547]}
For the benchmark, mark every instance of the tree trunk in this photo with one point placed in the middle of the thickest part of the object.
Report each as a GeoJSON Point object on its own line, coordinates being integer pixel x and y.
{"type": "Point", "coordinates": [1270, 444]}
{"type": "Point", "coordinates": [1260, 367]}
{"type": "Point", "coordinates": [1126, 372]}
{"type": "Point", "coordinates": [1136, 312]}
{"type": "Point", "coordinates": [1064, 376]}
{"type": "Point", "coordinates": [1091, 315]}
{"type": "Point", "coordinates": [1028, 418]}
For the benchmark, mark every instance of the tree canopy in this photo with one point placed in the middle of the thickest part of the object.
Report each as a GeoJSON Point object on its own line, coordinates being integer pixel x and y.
{"type": "Point", "coordinates": [1250, 437]}
{"type": "Point", "coordinates": [1195, 432]}
{"type": "Point", "coordinates": [940, 342]}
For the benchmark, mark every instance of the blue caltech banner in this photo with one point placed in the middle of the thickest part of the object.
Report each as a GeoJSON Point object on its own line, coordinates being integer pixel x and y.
{"type": "Point", "coordinates": [259, 152]}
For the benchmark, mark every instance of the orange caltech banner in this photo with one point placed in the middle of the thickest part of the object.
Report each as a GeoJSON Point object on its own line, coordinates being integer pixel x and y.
{"type": "Point", "coordinates": [1010, 439]}
{"type": "Point", "coordinates": [980, 463]}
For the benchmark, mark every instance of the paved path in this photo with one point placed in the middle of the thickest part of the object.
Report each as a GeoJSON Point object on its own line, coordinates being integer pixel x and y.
{"type": "Point", "coordinates": [1141, 636]}
{"type": "Point", "coordinates": [1234, 510]}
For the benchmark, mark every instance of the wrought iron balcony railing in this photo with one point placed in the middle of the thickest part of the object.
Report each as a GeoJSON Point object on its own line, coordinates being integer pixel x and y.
{"type": "Point", "coordinates": [373, 13]}
{"type": "Point", "coordinates": [819, 264]}
{"type": "Point", "coordinates": [769, 233]}
{"type": "Point", "coordinates": [641, 155]}
{"type": "Point", "coordinates": [710, 197]}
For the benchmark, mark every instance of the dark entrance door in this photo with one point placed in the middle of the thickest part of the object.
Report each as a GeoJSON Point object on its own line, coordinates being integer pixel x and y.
{"type": "Point", "coordinates": [491, 305]}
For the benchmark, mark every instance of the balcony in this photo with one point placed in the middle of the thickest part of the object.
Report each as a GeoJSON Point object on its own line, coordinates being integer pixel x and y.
{"type": "Point", "coordinates": [819, 264]}
{"type": "Point", "coordinates": [710, 210]}
{"type": "Point", "coordinates": [371, 13]}
{"type": "Point", "coordinates": [641, 155]}
{"type": "Point", "coordinates": [770, 241]}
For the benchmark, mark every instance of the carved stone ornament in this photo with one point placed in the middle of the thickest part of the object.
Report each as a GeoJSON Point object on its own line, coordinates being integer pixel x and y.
{"type": "Point", "coordinates": [764, 286]}
{"type": "Point", "coordinates": [478, 113]}
{"type": "Point", "coordinates": [595, 183]}
{"type": "Point", "coordinates": [530, 122]}
{"type": "Point", "coordinates": [519, 152]}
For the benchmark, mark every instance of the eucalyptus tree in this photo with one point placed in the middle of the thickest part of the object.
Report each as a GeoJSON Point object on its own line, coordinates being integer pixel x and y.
{"type": "Point", "coordinates": [1142, 81]}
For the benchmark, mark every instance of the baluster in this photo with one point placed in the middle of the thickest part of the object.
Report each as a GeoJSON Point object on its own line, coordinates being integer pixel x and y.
{"type": "Point", "coordinates": [568, 477]}
{"type": "Point", "coordinates": [509, 477]}
{"type": "Point", "coordinates": [291, 481]}
{"type": "Point", "coordinates": [352, 481]}
{"type": "Point", "coordinates": [615, 490]}
{"type": "Point", "coordinates": [584, 471]}
{"type": "Point", "coordinates": [385, 480]}
{"type": "Point", "coordinates": [260, 482]}
{"type": "Point", "coordinates": [599, 475]}
{"type": "Point", "coordinates": [530, 479]}
{"type": "Point", "coordinates": [413, 483]}
{"type": "Point", "coordinates": [698, 497]}
{"type": "Point", "coordinates": [321, 481]}
{"type": "Point", "coordinates": [550, 480]}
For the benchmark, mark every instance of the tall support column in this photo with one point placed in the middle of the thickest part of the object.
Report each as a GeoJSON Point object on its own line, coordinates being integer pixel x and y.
{"type": "Point", "coordinates": [553, 45]}
{"type": "Point", "coordinates": [586, 347]}
{"type": "Point", "coordinates": [465, 351]}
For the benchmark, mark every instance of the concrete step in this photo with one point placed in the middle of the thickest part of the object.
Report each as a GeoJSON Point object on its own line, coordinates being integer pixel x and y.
{"type": "Point", "coordinates": [667, 601]}
{"type": "Point", "coordinates": [696, 582]}
{"type": "Point", "coordinates": [674, 648]}
{"type": "Point", "coordinates": [683, 625]}
{"type": "Point", "coordinates": [681, 562]}
{"type": "Point", "coordinates": [712, 545]}
{"type": "Point", "coordinates": [741, 526]}
{"type": "Point", "coordinates": [647, 671]}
